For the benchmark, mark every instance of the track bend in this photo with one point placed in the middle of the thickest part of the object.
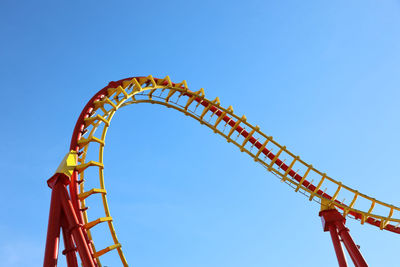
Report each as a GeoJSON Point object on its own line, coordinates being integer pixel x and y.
{"type": "Point", "coordinates": [91, 129]}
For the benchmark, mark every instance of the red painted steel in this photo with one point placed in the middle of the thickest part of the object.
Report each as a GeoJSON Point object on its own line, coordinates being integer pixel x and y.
{"type": "Point", "coordinates": [77, 218]}
{"type": "Point", "coordinates": [337, 246]}
{"type": "Point", "coordinates": [86, 112]}
{"type": "Point", "coordinates": [70, 249]}
{"type": "Point", "coordinates": [334, 222]}
{"type": "Point", "coordinates": [62, 215]}
{"type": "Point", "coordinates": [351, 247]}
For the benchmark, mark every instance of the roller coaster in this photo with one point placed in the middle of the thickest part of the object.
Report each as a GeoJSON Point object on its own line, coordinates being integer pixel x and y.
{"type": "Point", "coordinates": [84, 163]}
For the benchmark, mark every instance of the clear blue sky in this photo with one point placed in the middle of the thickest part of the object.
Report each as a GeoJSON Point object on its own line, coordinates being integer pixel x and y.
{"type": "Point", "coordinates": [322, 77]}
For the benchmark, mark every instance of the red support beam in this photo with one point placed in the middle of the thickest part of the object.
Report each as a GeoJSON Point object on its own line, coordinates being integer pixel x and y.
{"type": "Point", "coordinates": [63, 216]}
{"type": "Point", "coordinates": [338, 247]}
{"type": "Point", "coordinates": [334, 222]}
{"type": "Point", "coordinates": [70, 249]}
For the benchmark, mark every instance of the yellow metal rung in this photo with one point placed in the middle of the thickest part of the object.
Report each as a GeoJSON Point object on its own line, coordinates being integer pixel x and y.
{"type": "Point", "coordinates": [262, 148]}
{"type": "Point", "coordinates": [205, 110]}
{"type": "Point", "coordinates": [190, 100]}
{"type": "Point", "coordinates": [109, 101]}
{"type": "Point", "coordinates": [151, 93]}
{"type": "Point", "coordinates": [120, 89]}
{"type": "Point", "coordinates": [153, 82]}
{"type": "Point", "coordinates": [346, 211]}
{"type": "Point", "coordinates": [98, 117]}
{"type": "Point", "coordinates": [249, 135]}
{"type": "Point", "coordinates": [275, 158]}
{"type": "Point", "coordinates": [234, 128]}
{"type": "Point", "coordinates": [104, 251]}
{"type": "Point", "coordinates": [84, 166]}
{"type": "Point", "coordinates": [318, 186]}
{"type": "Point", "coordinates": [86, 194]}
{"type": "Point", "coordinates": [171, 92]}
{"type": "Point", "coordinates": [96, 222]}
{"type": "Point", "coordinates": [303, 178]}
{"type": "Point", "coordinates": [100, 103]}
{"type": "Point", "coordinates": [138, 86]}
{"type": "Point", "coordinates": [363, 218]}
{"type": "Point", "coordinates": [83, 141]}
{"type": "Point", "coordinates": [289, 168]}
{"type": "Point", "coordinates": [219, 120]}
{"type": "Point", "coordinates": [337, 192]}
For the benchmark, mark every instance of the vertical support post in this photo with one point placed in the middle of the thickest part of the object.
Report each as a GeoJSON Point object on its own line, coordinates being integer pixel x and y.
{"type": "Point", "coordinates": [53, 231]}
{"type": "Point", "coordinates": [75, 227]}
{"type": "Point", "coordinates": [351, 247]}
{"type": "Point", "coordinates": [334, 222]}
{"type": "Point", "coordinates": [62, 215]}
{"type": "Point", "coordinates": [338, 247]}
{"type": "Point", "coordinates": [70, 249]}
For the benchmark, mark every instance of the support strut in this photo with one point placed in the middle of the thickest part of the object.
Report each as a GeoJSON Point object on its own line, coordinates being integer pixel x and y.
{"type": "Point", "coordinates": [334, 222]}
{"type": "Point", "coordinates": [63, 216]}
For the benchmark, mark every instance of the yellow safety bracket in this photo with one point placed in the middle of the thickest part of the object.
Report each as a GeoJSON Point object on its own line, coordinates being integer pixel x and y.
{"type": "Point", "coordinates": [68, 163]}
{"type": "Point", "coordinates": [326, 204]}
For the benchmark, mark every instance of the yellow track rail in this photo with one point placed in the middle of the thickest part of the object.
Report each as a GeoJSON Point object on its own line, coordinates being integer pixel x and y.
{"type": "Point", "coordinates": [236, 130]}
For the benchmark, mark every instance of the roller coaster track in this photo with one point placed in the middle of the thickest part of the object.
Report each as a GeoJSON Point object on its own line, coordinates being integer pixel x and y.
{"type": "Point", "coordinates": [89, 139]}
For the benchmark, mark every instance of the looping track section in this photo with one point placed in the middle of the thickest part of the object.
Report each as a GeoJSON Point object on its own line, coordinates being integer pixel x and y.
{"type": "Point", "coordinates": [89, 138]}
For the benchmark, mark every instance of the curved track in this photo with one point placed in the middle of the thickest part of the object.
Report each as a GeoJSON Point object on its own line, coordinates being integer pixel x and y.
{"type": "Point", "coordinates": [90, 133]}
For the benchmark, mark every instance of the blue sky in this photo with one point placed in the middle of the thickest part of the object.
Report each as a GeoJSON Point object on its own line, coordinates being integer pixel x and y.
{"type": "Point", "coordinates": [322, 77]}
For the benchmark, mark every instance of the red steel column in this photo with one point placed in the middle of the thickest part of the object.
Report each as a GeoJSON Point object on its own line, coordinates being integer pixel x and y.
{"type": "Point", "coordinates": [70, 249]}
{"type": "Point", "coordinates": [351, 247]}
{"type": "Point", "coordinates": [62, 215]}
{"type": "Point", "coordinates": [338, 247]}
{"type": "Point", "coordinates": [75, 227]}
{"type": "Point", "coordinates": [53, 232]}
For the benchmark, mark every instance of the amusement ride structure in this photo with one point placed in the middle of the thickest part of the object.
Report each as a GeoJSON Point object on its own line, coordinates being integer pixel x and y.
{"type": "Point", "coordinates": [69, 210]}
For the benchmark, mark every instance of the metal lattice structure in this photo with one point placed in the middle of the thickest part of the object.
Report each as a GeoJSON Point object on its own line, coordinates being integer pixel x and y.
{"type": "Point", "coordinates": [89, 139]}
